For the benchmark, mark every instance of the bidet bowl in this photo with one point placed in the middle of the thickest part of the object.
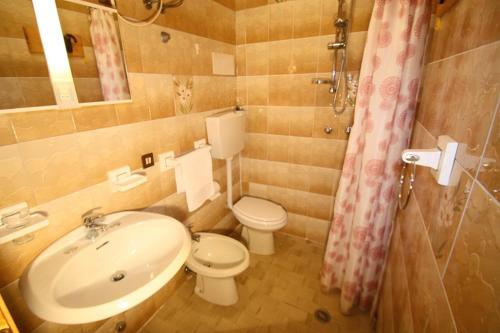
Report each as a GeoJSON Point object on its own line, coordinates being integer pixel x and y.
{"type": "Point", "coordinates": [77, 280]}
{"type": "Point", "coordinates": [218, 256]}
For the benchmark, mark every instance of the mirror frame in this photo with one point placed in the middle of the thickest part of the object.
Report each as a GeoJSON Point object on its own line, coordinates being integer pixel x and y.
{"type": "Point", "coordinates": [61, 78]}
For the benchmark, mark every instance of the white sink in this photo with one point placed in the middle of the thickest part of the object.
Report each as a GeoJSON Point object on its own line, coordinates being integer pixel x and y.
{"type": "Point", "coordinates": [77, 280]}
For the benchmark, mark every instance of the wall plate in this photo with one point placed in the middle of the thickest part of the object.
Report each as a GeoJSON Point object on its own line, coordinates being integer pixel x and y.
{"type": "Point", "coordinates": [148, 160]}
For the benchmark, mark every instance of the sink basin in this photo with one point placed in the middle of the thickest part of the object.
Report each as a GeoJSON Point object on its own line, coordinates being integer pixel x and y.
{"type": "Point", "coordinates": [77, 280]}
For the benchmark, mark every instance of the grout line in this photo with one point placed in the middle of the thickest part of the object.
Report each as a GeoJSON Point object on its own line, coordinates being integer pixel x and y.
{"type": "Point", "coordinates": [475, 183]}
{"type": "Point", "coordinates": [463, 53]}
{"type": "Point", "coordinates": [433, 259]}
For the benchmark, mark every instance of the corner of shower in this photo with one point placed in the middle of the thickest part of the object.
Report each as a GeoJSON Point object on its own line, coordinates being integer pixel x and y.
{"type": "Point", "coordinates": [342, 85]}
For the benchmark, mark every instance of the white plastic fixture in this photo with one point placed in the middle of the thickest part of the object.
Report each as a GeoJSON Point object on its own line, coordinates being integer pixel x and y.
{"type": "Point", "coordinates": [440, 159]}
{"type": "Point", "coordinates": [54, 48]}
{"type": "Point", "coordinates": [122, 179]}
{"type": "Point", "coordinates": [31, 222]}
{"type": "Point", "coordinates": [226, 133]}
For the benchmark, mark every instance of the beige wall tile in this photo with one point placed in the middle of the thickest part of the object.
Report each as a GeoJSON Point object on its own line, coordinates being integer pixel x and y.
{"type": "Point", "coordinates": [7, 135]}
{"type": "Point", "coordinates": [241, 90]}
{"type": "Point", "coordinates": [429, 304]}
{"type": "Point", "coordinates": [298, 202]}
{"type": "Point", "coordinates": [280, 87]}
{"type": "Point", "coordinates": [44, 124]}
{"type": "Point", "coordinates": [131, 46]}
{"type": "Point", "coordinates": [53, 166]}
{"type": "Point", "coordinates": [489, 171]}
{"type": "Point", "coordinates": [256, 120]}
{"type": "Point", "coordinates": [280, 57]}
{"type": "Point", "coordinates": [37, 91]}
{"type": "Point", "coordinates": [257, 59]}
{"type": "Point", "coordinates": [471, 279]}
{"type": "Point", "coordinates": [278, 174]}
{"type": "Point", "coordinates": [301, 121]}
{"type": "Point", "coordinates": [328, 153]}
{"type": "Point", "coordinates": [325, 117]}
{"type": "Point", "coordinates": [322, 180]}
{"type": "Point", "coordinates": [441, 207]}
{"type": "Point", "coordinates": [16, 186]}
{"type": "Point", "coordinates": [103, 151]}
{"type": "Point", "coordinates": [259, 171]}
{"type": "Point", "coordinates": [89, 118]}
{"type": "Point", "coordinates": [256, 146]}
{"type": "Point", "coordinates": [306, 18]}
{"type": "Point", "coordinates": [257, 90]}
{"type": "Point", "coordinates": [240, 30]}
{"type": "Point", "coordinates": [299, 177]}
{"type": "Point", "coordinates": [138, 110]}
{"type": "Point", "coordinates": [305, 55]}
{"type": "Point", "coordinates": [464, 90]}
{"type": "Point", "coordinates": [278, 121]}
{"type": "Point", "coordinates": [11, 95]}
{"type": "Point", "coordinates": [241, 64]}
{"type": "Point", "coordinates": [281, 20]}
{"type": "Point", "coordinates": [299, 151]}
{"type": "Point", "coordinates": [159, 95]}
{"type": "Point", "coordinates": [296, 225]}
{"type": "Point", "coordinates": [317, 230]}
{"type": "Point", "coordinates": [277, 148]}
{"type": "Point", "coordinates": [257, 24]}
{"type": "Point", "coordinates": [465, 27]}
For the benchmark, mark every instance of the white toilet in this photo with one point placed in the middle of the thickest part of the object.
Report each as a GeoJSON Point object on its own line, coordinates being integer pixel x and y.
{"type": "Point", "coordinates": [216, 260]}
{"type": "Point", "coordinates": [259, 217]}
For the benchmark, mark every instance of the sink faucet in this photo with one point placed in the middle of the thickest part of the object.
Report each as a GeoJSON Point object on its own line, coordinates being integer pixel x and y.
{"type": "Point", "coordinates": [91, 221]}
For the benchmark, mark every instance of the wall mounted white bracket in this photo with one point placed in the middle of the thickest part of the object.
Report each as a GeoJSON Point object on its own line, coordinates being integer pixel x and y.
{"type": "Point", "coordinates": [440, 159]}
{"type": "Point", "coordinates": [122, 179]}
{"type": "Point", "coordinates": [16, 221]}
{"type": "Point", "coordinates": [168, 161]}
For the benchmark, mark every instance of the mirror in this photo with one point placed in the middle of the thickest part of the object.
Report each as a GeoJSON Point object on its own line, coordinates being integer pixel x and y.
{"type": "Point", "coordinates": [92, 40]}
{"type": "Point", "coordinates": [24, 75]}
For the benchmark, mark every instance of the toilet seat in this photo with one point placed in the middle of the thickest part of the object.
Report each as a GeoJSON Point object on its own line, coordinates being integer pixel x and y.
{"type": "Point", "coordinates": [260, 214]}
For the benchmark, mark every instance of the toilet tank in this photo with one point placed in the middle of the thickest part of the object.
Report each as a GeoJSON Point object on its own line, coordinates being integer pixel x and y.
{"type": "Point", "coordinates": [226, 133]}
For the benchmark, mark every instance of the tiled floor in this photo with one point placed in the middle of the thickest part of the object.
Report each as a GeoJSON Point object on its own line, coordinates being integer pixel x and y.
{"type": "Point", "coordinates": [278, 293]}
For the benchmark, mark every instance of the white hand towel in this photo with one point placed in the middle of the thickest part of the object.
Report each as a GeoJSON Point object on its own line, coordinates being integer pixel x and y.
{"type": "Point", "coordinates": [194, 176]}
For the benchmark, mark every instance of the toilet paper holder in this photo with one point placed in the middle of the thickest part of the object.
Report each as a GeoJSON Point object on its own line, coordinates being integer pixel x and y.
{"type": "Point", "coordinates": [440, 159]}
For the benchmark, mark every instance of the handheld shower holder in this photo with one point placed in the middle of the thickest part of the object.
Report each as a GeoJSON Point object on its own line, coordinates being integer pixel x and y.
{"type": "Point", "coordinates": [440, 159]}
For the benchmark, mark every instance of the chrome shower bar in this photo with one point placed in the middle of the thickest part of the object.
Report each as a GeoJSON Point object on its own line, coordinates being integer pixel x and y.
{"type": "Point", "coordinates": [338, 81]}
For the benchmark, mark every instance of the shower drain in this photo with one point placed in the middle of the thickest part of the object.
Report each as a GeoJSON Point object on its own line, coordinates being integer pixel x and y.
{"type": "Point", "coordinates": [118, 276]}
{"type": "Point", "coordinates": [322, 316]}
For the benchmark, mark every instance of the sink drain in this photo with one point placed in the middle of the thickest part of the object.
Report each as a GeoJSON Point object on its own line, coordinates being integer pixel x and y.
{"type": "Point", "coordinates": [322, 316]}
{"type": "Point", "coordinates": [118, 276]}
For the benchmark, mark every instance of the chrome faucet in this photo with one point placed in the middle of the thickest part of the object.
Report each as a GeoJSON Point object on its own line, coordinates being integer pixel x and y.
{"type": "Point", "coordinates": [194, 236]}
{"type": "Point", "coordinates": [91, 221]}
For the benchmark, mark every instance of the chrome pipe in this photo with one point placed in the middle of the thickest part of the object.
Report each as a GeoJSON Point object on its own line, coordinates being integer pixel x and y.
{"type": "Point", "coordinates": [336, 45]}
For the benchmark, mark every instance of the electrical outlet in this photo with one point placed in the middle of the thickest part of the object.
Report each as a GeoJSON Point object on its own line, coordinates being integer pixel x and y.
{"type": "Point", "coordinates": [147, 160]}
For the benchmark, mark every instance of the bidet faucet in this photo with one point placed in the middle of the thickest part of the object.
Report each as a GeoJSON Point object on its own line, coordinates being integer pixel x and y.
{"type": "Point", "coordinates": [194, 236]}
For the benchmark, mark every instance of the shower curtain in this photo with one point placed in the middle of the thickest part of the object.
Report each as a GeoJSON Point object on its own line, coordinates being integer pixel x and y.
{"type": "Point", "coordinates": [108, 56]}
{"type": "Point", "coordinates": [385, 108]}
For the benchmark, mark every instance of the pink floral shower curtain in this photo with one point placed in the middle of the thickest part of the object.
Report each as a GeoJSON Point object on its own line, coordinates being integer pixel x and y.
{"type": "Point", "coordinates": [108, 56]}
{"type": "Point", "coordinates": [385, 109]}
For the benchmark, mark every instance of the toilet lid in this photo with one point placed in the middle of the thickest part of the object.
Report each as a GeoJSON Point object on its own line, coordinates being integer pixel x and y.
{"type": "Point", "coordinates": [260, 209]}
